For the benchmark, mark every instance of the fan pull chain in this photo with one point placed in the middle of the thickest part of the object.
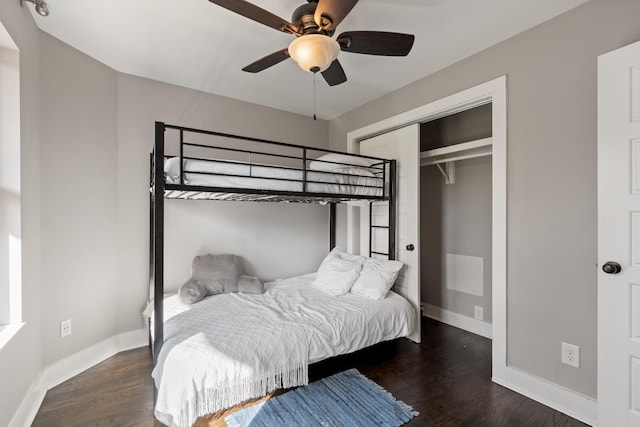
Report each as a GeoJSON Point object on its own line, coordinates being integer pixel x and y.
{"type": "Point", "coordinates": [314, 96]}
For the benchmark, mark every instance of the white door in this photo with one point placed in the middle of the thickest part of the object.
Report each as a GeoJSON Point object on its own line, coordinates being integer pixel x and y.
{"type": "Point", "coordinates": [619, 237]}
{"type": "Point", "coordinates": [404, 146]}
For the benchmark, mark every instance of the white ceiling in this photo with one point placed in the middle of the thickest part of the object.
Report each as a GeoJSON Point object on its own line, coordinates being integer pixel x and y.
{"type": "Point", "coordinates": [199, 45]}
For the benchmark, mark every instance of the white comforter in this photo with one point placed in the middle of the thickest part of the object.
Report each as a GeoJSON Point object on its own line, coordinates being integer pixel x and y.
{"type": "Point", "coordinates": [339, 325]}
{"type": "Point", "coordinates": [229, 342]}
{"type": "Point", "coordinates": [222, 351]}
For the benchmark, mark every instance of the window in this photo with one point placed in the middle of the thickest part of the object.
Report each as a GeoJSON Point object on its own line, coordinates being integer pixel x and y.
{"type": "Point", "coordinates": [10, 237]}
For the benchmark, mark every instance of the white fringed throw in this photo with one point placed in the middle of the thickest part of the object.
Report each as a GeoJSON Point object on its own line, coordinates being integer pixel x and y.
{"type": "Point", "coordinates": [222, 351]}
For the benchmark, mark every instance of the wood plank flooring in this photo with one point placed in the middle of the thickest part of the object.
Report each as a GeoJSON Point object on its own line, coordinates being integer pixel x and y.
{"type": "Point", "coordinates": [446, 379]}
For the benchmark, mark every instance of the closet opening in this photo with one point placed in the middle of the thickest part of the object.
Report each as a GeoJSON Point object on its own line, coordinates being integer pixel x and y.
{"type": "Point", "coordinates": [493, 93]}
{"type": "Point", "coordinates": [456, 219]}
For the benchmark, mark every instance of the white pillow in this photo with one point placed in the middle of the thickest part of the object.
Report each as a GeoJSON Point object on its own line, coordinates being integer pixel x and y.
{"type": "Point", "coordinates": [353, 164]}
{"type": "Point", "coordinates": [376, 278]}
{"type": "Point", "coordinates": [338, 252]}
{"type": "Point", "coordinates": [172, 169]}
{"type": "Point", "coordinates": [337, 276]}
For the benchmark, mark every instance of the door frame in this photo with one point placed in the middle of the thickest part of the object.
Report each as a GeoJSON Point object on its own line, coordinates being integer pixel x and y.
{"type": "Point", "coordinates": [494, 92]}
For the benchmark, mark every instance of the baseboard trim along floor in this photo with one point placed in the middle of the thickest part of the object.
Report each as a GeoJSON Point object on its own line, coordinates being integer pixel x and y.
{"type": "Point", "coordinates": [70, 366]}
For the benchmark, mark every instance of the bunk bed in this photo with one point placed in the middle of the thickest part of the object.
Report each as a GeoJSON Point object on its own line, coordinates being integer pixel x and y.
{"type": "Point", "coordinates": [195, 164]}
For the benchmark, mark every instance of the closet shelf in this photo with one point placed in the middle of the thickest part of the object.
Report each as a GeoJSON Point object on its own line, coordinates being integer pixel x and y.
{"type": "Point", "coordinates": [452, 153]}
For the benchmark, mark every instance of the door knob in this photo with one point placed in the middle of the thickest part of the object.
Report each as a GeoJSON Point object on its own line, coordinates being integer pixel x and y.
{"type": "Point", "coordinates": [410, 247]}
{"type": "Point", "coordinates": [611, 267]}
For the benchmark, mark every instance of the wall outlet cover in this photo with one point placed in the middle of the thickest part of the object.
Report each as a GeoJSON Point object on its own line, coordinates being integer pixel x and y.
{"type": "Point", "coordinates": [65, 328]}
{"type": "Point", "coordinates": [478, 312]}
{"type": "Point", "coordinates": [570, 355]}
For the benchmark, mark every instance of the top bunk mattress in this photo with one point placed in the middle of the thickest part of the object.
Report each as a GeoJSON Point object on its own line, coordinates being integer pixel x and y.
{"type": "Point", "coordinates": [351, 181]}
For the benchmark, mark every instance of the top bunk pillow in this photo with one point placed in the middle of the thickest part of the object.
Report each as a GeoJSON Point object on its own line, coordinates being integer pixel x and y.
{"type": "Point", "coordinates": [172, 169]}
{"type": "Point", "coordinates": [206, 166]}
{"type": "Point", "coordinates": [354, 165]}
{"type": "Point", "coordinates": [376, 278]}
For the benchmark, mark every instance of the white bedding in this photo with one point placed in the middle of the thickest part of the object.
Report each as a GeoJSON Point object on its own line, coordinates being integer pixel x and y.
{"type": "Point", "coordinates": [221, 351]}
{"type": "Point", "coordinates": [257, 177]}
{"type": "Point", "coordinates": [343, 324]}
{"type": "Point", "coordinates": [329, 325]}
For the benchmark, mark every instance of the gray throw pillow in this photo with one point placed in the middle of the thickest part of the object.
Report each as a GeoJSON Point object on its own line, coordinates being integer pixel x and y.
{"type": "Point", "coordinates": [192, 291]}
{"type": "Point", "coordinates": [218, 272]}
{"type": "Point", "coordinates": [250, 285]}
{"type": "Point", "coordinates": [213, 274]}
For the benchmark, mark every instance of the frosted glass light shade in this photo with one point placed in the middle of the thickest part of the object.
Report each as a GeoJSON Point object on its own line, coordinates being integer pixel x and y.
{"type": "Point", "coordinates": [314, 52]}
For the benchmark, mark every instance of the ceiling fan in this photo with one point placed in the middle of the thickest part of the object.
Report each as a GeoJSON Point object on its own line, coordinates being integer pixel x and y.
{"type": "Point", "coordinates": [314, 49]}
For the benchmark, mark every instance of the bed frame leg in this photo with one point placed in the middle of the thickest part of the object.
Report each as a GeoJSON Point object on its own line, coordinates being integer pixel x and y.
{"type": "Point", "coordinates": [332, 226]}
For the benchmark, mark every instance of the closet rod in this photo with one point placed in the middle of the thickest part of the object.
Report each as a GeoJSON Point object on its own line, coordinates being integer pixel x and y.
{"type": "Point", "coordinates": [453, 159]}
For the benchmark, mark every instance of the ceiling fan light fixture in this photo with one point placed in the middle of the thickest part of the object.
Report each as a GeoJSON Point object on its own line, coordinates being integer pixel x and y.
{"type": "Point", "coordinates": [314, 52]}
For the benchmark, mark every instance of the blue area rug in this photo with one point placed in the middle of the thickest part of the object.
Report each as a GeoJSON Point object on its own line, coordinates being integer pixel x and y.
{"type": "Point", "coordinates": [345, 399]}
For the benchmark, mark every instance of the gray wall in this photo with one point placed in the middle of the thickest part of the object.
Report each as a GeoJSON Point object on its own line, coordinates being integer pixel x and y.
{"type": "Point", "coordinates": [78, 100]}
{"type": "Point", "coordinates": [551, 278]}
{"type": "Point", "coordinates": [456, 219]}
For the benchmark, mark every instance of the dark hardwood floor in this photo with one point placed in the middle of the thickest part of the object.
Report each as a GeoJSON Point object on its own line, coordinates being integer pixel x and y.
{"type": "Point", "coordinates": [446, 379]}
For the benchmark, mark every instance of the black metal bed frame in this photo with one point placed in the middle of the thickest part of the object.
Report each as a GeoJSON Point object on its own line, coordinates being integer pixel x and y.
{"type": "Point", "coordinates": [159, 190]}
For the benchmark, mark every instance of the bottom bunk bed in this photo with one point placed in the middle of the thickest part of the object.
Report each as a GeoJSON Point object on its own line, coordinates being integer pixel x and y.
{"type": "Point", "coordinates": [228, 348]}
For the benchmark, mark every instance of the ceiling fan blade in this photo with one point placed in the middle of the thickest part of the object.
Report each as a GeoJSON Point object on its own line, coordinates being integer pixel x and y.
{"type": "Point", "coordinates": [329, 13]}
{"type": "Point", "coordinates": [376, 43]}
{"type": "Point", "coordinates": [268, 61]}
{"type": "Point", "coordinates": [334, 75]}
{"type": "Point", "coordinates": [255, 13]}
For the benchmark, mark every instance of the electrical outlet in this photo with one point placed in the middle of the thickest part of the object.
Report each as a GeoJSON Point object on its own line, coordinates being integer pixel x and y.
{"type": "Point", "coordinates": [65, 328]}
{"type": "Point", "coordinates": [478, 312]}
{"type": "Point", "coordinates": [570, 355]}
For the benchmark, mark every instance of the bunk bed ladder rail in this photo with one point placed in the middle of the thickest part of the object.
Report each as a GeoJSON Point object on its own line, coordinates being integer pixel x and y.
{"type": "Point", "coordinates": [391, 217]}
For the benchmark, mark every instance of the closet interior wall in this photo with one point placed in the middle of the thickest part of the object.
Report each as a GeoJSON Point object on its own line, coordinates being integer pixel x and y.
{"type": "Point", "coordinates": [455, 221]}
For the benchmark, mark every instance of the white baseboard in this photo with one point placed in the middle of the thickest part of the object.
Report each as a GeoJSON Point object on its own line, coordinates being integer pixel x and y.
{"type": "Point", "coordinates": [67, 368]}
{"type": "Point", "coordinates": [477, 327]}
{"type": "Point", "coordinates": [561, 399]}
{"type": "Point", "coordinates": [31, 402]}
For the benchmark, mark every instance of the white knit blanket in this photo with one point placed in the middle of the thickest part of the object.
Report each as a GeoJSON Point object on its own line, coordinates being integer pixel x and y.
{"type": "Point", "coordinates": [222, 351]}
